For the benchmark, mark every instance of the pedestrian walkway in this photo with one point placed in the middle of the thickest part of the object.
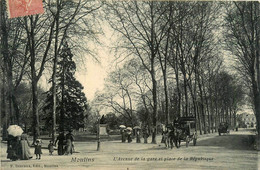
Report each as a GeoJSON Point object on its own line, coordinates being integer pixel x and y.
{"type": "Point", "coordinates": [118, 155]}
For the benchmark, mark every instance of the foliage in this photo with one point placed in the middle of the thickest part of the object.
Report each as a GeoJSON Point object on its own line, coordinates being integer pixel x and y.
{"type": "Point", "coordinates": [71, 101]}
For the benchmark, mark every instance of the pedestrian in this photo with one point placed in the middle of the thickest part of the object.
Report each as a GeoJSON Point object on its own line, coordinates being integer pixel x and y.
{"type": "Point", "coordinates": [138, 140]}
{"type": "Point", "coordinates": [129, 138]}
{"type": "Point", "coordinates": [38, 149]}
{"type": "Point", "coordinates": [51, 147]}
{"type": "Point", "coordinates": [12, 147]}
{"type": "Point", "coordinates": [25, 153]}
{"type": "Point", "coordinates": [123, 133]}
{"type": "Point", "coordinates": [69, 139]}
{"type": "Point", "coordinates": [145, 134]}
{"type": "Point", "coordinates": [60, 139]}
{"type": "Point", "coordinates": [163, 133]}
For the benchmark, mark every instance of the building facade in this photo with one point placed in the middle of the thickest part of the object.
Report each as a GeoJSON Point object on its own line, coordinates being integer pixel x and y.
{"type": "Point", "coordinates": [247, 120]}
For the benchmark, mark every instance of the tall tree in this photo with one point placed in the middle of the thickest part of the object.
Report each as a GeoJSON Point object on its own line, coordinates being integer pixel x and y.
{"type": "Point", "coordinates": [140, 25]}
{"type": "Point", "coordinates": [14, 60]}
{"type": "Point", "coordinates": [243, 41]}
{"type": "Point", "coordinates": [77, 12]}
{"type": "Point", "coordinates": [72, 103]}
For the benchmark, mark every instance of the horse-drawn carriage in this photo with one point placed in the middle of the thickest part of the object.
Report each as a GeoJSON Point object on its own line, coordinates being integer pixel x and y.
{"type": "Point", "coordinates": [223, 128]}
{"type": "Point", "coordinates": [187, 130]}
{"type": "Point", "coordinates": [184, 129]}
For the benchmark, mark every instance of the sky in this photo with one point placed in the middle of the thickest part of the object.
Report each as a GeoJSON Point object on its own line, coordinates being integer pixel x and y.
{"type": "Point", "coordinates": [91, 74]}
{"type": "Point", "coordinates": [93, 77]}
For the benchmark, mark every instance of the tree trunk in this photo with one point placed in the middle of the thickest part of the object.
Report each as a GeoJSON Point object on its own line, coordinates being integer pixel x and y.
{"type": "Point", "coordinates": [16, 109]}
{"type": "Point", "coordinates": [4, 116]}
{"type": "Point", "coordinates": [154, 120]}
{"type": "Point", "coordinates": [36, 123]}
{"type": "Point", "coordinates": [256, 87]}
{"type": "Point", "coordinates": [7, 62]}
{"type": "Point", "coordinates": [152, 72]}
{"type": "Point", "coordinates": [199, 120]}
{"type": "Point", "coordinates": [62, 112]}
{"type": "Point", "coordinates": [207, 105]}
{"type": "Point", "coordinates": [216, 117]}
{"type": "Point", "coordinates": [202, 105]}
{"type": "Point", "coordinates": [178, 90]}
{"type": "Point", "coordinates": [166, 97]}
{"type": "Point", "coordinates": [55, 60]}
{"type": "Point", "coordinates": [257, 114]}
{"type": "Point", "coordinates": [185, 93]}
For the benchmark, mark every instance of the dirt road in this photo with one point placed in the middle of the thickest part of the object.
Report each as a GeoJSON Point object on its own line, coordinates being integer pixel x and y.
{"type": "Point", "coordinates": [233, 151]}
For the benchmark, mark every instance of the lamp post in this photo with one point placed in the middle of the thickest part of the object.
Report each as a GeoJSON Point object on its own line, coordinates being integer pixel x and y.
{"type": "Point", "coordinates": [98, 134]}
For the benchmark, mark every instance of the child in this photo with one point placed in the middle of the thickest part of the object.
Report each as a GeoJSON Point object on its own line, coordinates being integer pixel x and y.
{"type": "Point", "coordinates": [51, 147]}
{"type": "Point", "coordinates": [38, 149]}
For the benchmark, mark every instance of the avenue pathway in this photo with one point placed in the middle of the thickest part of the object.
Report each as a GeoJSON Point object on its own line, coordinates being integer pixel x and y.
{"type": "Point", "coordinates": [233, 151]}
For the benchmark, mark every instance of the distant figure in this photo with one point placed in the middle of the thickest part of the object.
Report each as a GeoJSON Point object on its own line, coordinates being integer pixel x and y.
{"type": "Point", "coordinates": [164, 131]}
{"type": "Point", "coordinates": [51, 147]}
{"type": "Point", "coordinates": [145, 134]}
{"type": "Point", "coordinates": [69, 139]}
{"type": "Point", "coordinates": [25, 153]}
{"type": "Point", "coordinates": [61, 139]}
{"type": "Point", "coordinates": [138, 140]}
{"type": "Point", "coordinates": [123, 133]}
{"type": "Point", "coordinates": [12, 147]}
{"type": "Point", "coordinates": [38, 149]}
{"type": "Point", "coordinates": [129, 138]}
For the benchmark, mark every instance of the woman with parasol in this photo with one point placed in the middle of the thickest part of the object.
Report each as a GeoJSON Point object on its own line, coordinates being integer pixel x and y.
{"type": "Point", "coordinates": [122, 131]}
{"type": "Point", "coordinates": [129, 132]}
{"type": "Point", "coordinates": [13, 142]}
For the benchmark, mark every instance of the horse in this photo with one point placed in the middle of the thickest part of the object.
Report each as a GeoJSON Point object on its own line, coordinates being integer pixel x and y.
{"type": "Point", "coordinates": [165, 138]}
{"type": "Point", "coordinates": [172, 137]}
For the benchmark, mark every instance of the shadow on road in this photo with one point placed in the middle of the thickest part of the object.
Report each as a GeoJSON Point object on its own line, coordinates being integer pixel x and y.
{"type": "Point", "coordinates": [232, 141]}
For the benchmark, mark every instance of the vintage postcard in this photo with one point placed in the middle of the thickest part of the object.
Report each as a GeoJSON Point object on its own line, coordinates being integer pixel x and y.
{"type": "Point", "coordinates": [129, 85]}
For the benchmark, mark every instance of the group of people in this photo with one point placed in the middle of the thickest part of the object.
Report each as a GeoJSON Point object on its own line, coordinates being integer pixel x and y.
{"type": "Point", "coordinates": [19, 148]}
{"type": "Point", "coordinates": [65, 143]}
{"type": "Point", "coordinates": [127, 134]}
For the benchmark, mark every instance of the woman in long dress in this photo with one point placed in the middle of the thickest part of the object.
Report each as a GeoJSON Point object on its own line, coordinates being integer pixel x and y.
{"type": "Point", "coordinates": [61, 139]}
{"type": "Point", "coordinates": [69, 140]}
{"type": "Point", "coordinates": [25, 149]}
{"type": "Point", "coordinates": [12, 147]}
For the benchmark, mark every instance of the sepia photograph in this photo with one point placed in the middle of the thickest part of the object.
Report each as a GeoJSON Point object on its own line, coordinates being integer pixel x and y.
{"type": "Point", "coordinates": [129, 85]}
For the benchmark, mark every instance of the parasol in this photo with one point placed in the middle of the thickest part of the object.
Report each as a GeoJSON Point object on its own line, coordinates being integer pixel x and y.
{"type": "Point", "coordinates": [137, 127]}
{"type": "Point", "coordinates": [129, 128]}
{"type": "Point", "coordinates": [15, 130]}
{"type": "Point", "coordinates": [122, 126]}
